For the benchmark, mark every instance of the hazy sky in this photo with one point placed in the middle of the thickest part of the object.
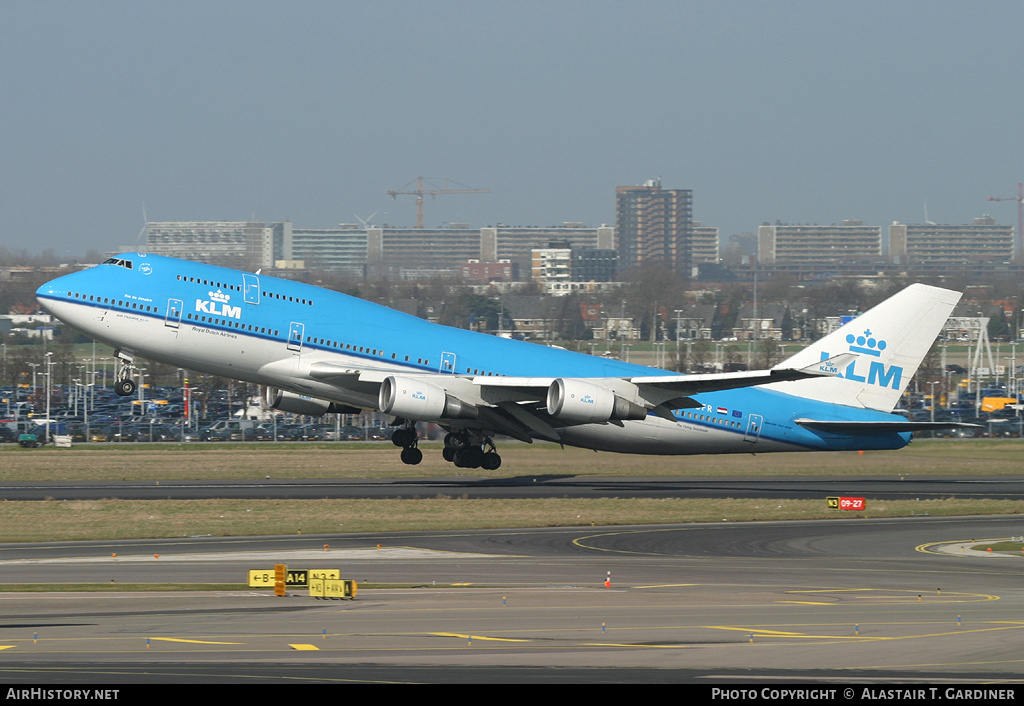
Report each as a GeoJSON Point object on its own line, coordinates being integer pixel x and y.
{"type": "Point", "coordinates": [802, 112]}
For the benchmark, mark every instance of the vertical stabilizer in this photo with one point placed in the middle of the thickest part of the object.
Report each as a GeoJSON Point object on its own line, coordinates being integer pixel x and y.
{"type": "Point", "coordinates": [889, 341]}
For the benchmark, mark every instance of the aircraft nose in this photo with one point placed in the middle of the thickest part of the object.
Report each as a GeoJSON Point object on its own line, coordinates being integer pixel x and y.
{"type": "Point", "coordinates": [52, 291]}
{"type": "Point", "coordinates": [45, 293]}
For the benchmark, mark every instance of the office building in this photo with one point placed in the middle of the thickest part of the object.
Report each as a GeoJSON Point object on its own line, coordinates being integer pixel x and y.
{"type": "Point", "coordinates": [703, 244]}
{"type": "Point", "coordinates": [477, 272]}
{"type": "Point", "coordinates": [934, 247]}
{"type": "Point", "coordinates": [246, 245]}
{"type": "Point", "coordinates": [653, 225]}
{"type": "Point", "coordinates": [340, 250]}
{"type": "Point", "coordinates": [817, 247]}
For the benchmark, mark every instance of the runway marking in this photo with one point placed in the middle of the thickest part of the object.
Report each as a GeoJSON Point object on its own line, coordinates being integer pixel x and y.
{"type": "Point", "coordinates": [807, 603]}
{"type": "Point", "coordinates": [927, 548]}
{"type": "Point", "coordinates": [475, 637]}
{"type": "Point", "coordinates": [669, 585]}
{"type": "Point", "coordinates": [579, 542]}
{"type": "Point", "coordinates": [305, 648]}
{"type": "Point", "coordinates": [1001, 625]}
{"type": "Point", "coordinates": [384, 553]}
{"type": "Point", "coordinates": [804, 636]}
{"type": "Point", "coordinates": [758, 631]}
{"type": "Point", "coordinates": [910, 595]}
{"type": "Point", "coordinates": [6, 647]}
{"type": "Point", "coordinates": [196, 642]}
{"type": "Point", "coordinates": [648, 647]}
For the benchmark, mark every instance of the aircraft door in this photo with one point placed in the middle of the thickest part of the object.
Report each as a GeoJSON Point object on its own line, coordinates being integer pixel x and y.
{"type": "Point", "coordinates": [753, 428]}
{"type": "Point", "coordinates": [251, 289]}
{"type": "Point", "coordinates": [173, 317]}
{"type": "Point", "coordinates": [296, 331]}
{"type": "Point", "coordinates": [447, 363]}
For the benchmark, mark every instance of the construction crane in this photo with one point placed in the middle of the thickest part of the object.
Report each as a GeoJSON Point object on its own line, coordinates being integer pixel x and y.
{"type": "Point", "coordinates": [419, 191]}
{"type": "Point", "coordinates": [1018, 237]}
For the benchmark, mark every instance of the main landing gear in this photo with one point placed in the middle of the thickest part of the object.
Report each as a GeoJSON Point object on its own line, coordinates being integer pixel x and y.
{"type": "Point", "coordinates": [464, 448]}
{"type": "Point", "coordinates": [465, 451]}
{"type": "Point", "coordinates": [125, 386]}
{"type": "Point", "coordinates": [407, 438]}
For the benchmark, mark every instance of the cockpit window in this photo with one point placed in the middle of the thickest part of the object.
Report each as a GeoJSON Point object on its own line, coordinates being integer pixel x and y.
{"type": "Point", "coordinates": [119, 262]}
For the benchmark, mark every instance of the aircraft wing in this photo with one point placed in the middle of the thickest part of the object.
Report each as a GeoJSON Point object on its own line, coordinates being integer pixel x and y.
{"type": "Point", "coordinates": [712, 382]}
{"type": "Point", "coordinates": [526, 407]}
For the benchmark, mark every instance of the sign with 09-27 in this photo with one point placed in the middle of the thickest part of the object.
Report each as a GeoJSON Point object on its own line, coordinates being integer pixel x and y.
{"type": "Point", "coordinates": [843, 503]}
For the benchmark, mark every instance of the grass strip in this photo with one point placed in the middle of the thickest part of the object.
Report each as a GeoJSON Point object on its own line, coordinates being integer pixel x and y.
{"type": "Point", "coordinates": [260, 460]}
{"type": "Point", "coordinates": [51, 520]}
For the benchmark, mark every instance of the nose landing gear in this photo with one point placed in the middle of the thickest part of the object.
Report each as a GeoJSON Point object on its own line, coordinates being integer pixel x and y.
{"type": "Point", "coordinates": [125, 386]}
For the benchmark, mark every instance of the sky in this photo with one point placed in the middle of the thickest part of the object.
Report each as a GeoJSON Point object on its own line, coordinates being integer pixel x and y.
{"type": "Point", "coordinates": [113, 113]}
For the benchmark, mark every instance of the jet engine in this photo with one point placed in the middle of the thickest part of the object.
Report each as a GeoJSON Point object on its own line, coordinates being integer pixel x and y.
{"type": "Point", "coordinates": [584, 402]}
{"type": "Point", "coordinates": [308, 406]}
{"type": "Point", "coordinates": [416, 399]}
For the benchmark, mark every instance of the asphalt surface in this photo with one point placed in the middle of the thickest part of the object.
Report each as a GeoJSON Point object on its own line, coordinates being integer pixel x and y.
{"type": "Point", "coordinates": [830, 602]}
{"type": "Point", "coordinates": [535, 486]}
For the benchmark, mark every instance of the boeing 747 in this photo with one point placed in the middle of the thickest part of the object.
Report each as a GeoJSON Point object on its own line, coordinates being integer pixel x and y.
{"type": "Point", "coordinates": [319, 351]}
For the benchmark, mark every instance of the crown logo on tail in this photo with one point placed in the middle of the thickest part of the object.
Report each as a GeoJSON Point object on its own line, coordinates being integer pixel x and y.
{"type": "Point", "coordinates": [865, 343]}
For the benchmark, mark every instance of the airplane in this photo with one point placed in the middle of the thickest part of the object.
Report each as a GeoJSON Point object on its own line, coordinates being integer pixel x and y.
{"type": "Point", "coordinates": [318, 351]}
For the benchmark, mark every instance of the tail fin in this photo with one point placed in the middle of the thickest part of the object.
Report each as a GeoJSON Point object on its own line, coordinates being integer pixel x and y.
{"type": "Point", "coordinates": [890, 340]}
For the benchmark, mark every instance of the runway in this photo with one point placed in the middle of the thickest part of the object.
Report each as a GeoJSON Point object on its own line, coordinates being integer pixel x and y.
{"type": "Point", "coordinates": [853, 600]}
{"type": "Point", "coordinates": [532, 486]}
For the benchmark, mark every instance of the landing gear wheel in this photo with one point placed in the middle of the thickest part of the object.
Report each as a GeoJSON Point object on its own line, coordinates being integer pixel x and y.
{"type": "Point", "coordinates": [448, 453]}
{"type": "Point", "coordinates": [470, 457]}
{"type": "Point", "coordinates": [124, 387]}
{"type": "Point", "coordinates": [491, 461]}
{"type": "Point", "coordinates": [411, 455]}
{"type": "Point", "coordinates": [456, 441]}
{"type": "Point", "coordinates": [403, 437]}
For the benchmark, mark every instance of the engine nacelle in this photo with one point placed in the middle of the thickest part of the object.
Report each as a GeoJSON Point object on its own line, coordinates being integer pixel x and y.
{"type": "Point", "coordinates": [419, 400]}
{"type": "Point", "coordinates": [308, 406]}
{"type": "Point", "coordinates": [298, 404]}
{"type": "Point", "coordinates": [584, 402]}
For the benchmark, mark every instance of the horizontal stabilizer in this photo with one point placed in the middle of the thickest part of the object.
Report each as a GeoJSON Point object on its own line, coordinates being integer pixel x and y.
{"type": "Point", "coordinates": [894, 427]}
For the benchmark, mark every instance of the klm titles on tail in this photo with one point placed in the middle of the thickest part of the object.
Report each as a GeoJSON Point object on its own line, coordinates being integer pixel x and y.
{"type": "Point", "coordinates": [877, 374]}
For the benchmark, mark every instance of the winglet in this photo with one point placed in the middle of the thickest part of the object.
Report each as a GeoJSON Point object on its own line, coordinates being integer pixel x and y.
{"type": "Point", "coordinates": [830, 366]}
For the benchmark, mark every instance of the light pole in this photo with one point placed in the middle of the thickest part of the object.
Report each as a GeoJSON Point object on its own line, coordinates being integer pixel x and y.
{"type": "Point", "coordinates": [49, 375]}
{"type": "Point", "coordinates": [659, 354]}
{"type": "Point", "coordinates": [932, 384]}
{"type": "Point", "coordinates": [142, 394]}
{"type": "Point", "coordinates": [35, 392]}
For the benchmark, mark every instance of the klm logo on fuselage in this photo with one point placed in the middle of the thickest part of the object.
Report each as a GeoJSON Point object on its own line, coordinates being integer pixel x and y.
{"type": "Point", "coordinates": [877, 373]}
{"type": "Point", "coordinates": [218, 305]}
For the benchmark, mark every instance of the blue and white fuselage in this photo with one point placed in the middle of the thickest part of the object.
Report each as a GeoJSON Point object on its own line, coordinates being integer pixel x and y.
{"type": "Point", "coordinates": [319, 350]}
